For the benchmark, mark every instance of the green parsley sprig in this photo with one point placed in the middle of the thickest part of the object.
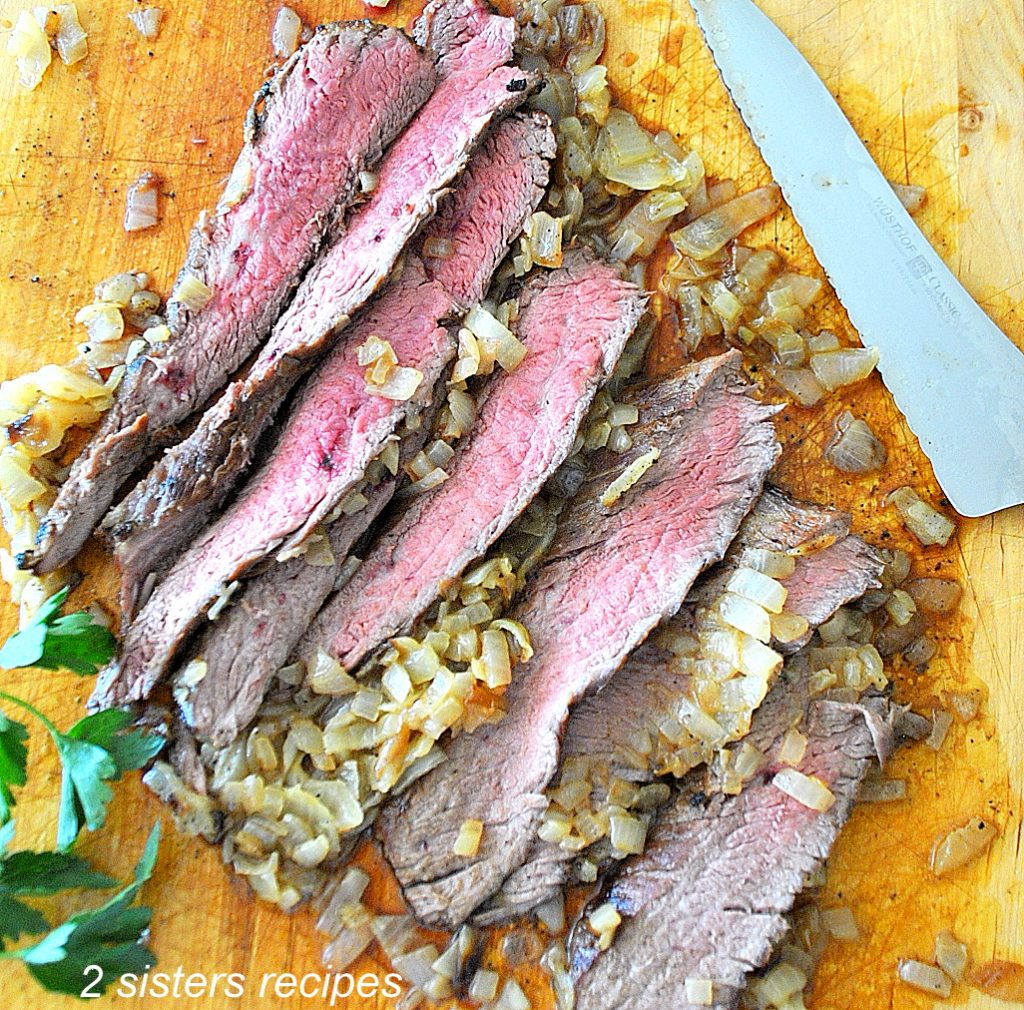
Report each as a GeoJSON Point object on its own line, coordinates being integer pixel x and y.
{"type": "Point", "coordinates": [95, 751]}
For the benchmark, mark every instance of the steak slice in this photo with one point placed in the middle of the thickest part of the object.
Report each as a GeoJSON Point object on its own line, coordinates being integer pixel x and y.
{"type": "Point", "coordinates": [503, 184]}
{"type": "Point", "coordinates": [611, 574]}
{"type": "Point", "coordinates": [574, 323]}
{"type": "Point", "coordinates": [341, 426]}
{"type": "Point", "coordinates": [325, 116]}
{"type": "Point", "coordinates": [193, 479]}
{"type": "Point", "coordinates": [253, 638]}
{"type": "Point", "coordinates": [708, 897]}
{"type": "Point", "coordinates": [832, 568]}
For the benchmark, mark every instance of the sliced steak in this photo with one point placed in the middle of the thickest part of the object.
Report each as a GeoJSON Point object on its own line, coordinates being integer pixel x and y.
{"type": "Point", "coordinates": [191, 481]}
{"type": "Point", "coordinates": [574, 322]}
{"type": "Point", "coordinates": [832, 568]}
{"type": "Point", "coordinates": [611, 574]}
{"type": "Point", "coordinates": [325, 116]}
{"type": "Point", "coordinates": [709, 895]}
{"type": "Point", "coordinates": [341, 427]}
{"type": "Point", "coordinates": [254, 637]}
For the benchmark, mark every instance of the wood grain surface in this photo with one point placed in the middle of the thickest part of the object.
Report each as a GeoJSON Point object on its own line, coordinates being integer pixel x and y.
{"type": "Point", "coordinates": [935, 87]}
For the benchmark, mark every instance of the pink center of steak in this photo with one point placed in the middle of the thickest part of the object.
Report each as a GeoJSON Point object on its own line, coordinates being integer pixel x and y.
{"type": "Point", "coordinates": [424, 159]}
{"type": "Point", "coordinates": [574, 325]}
{"type": "Point", "coordinates": [343, 426]}
{"type": "Point", "coordinates": [610, 576]}
{"type": "Point", "coordinates": [327, 116]}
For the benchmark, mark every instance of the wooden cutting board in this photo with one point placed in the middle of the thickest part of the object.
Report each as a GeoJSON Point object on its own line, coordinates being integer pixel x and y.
{"type": "Point", "coordinates": [935, 87]}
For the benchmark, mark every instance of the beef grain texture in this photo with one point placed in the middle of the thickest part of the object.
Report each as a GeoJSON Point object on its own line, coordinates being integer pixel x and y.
{"type": "Point", "coordinates": [833, 568]}
{"type": "Point", "coordinates": [610, 576]}
{"type": "Point", "coordinates": [341, 427]}
{"type": "Point", "coordinates": [193, 479]}
{"type": "Point", "coordinates": [708, 898]}
{"type": "Point", "coordinates": [574, 323]}
{"type": "Point", "coordinates": [270, 612]}
{"type": "Point", "coordinates": [326, 115]}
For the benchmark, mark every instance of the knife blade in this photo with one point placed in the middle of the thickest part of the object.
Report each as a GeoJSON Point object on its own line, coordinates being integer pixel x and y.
{"type": "Point", "coordinates": [956, 377]}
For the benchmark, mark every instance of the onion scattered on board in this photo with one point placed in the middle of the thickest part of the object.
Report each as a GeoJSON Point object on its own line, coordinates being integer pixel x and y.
{"type": "Point", "coordinates": [962, 845]}
{"type": "Point", "coordinates": [146, 21]}
{"type": "Point", "coordinates": [142, 203]}
{"type": "Point", "coordinates": [30, 47]}
{"type": "Point", "coordinates": [925, 977]}
{"type": "Point", "coordinates": [284, 36]}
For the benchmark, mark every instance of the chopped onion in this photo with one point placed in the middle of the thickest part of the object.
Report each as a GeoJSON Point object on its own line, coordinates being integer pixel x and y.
{"type": "Point", "coordinates": [629, 477]}
{"type": "Point", "coordinates": [841, 924]}
{"type": "Point", "coordinates": [497, 342]}
{"type": "Point", "coordinates": [834, 369]}
{"type": "Point", "coordinates": [926, 977]}
{"type": "Point", "coordinates": [30, 48]}
{"type": "Point", "coordinates": [745, 616]}
{"type": "Point", "coordinates": [417, 966]}
{"type": "Point", "coordinates": [793, 747]}
{"type": "Point", "coordinates": [937, 596]}
{"type": "Point", "coordinates": [941, 722]}
{"type": "Point", "coordinates": [1002, 979]}
{"type": "Point", "coordinates": [951, 955]}
{"type": "Point", "coordinates": [70, 40]}
{"type": "Point", "coordinates": [962, 845]}
{"type": "Point", "coordinates": [284, 36]}
{"type": "Point", "coordinates": [627, 834]}
{"type": "Point", "coordinates": [759, 588]}
{"type": "Point", "coordinates": [401, 384]}
{"type": "Point", "coordinates": [774, 564]}
{"type": "Point", "coordinates": [801, 383]}
{"type": "Point", "coordinates": [709, 233]}
{"type": "Point", "coordinates": [349, 944]}
{"type": "Point", "coordinates": [779, 985]}
{"type": "Point", "coordinates": [512, 998]}
{"type": "Point", "coordinates": [855, 448]}
{"type": "Point", "coordinates": [900, 607]}
{"type": "Point", "coordinates": [147, 21]}
{"type": "Point", "coordinates": [699, 991]}
{"type": "Point", "coordinates": [191, 292]}
{"type": "Point", "coordinates": [605, 917]}
{"type": "Point", "coordinates": [927, 524]}
{"type": "Point", "coordinates": [912, 197]}
{"type": "Point", "coordinates": [808, 790]}
{"type": "Point", "coordinates": [468, 841]}
{"type": "Point", "coordinates": [551, 913]}
{"type": "Point", "coordinates": [484, 986]}
{"type": "Point", "coordinates": [544, 239]}
{"type": "Point", "coordinates": [787, 628]}
{"type": "Point", "coordinates": [239, 183]}
{"type": "Point", "coordinates": [102, 322]}
{"type": "Point", "coordinates": [141, 208]}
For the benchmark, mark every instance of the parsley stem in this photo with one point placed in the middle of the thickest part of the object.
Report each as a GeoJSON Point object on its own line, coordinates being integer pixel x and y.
{"type": "Point", "coordinates": [21, 703]}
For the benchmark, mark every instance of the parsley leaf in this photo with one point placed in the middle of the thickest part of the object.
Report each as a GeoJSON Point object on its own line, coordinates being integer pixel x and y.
{"type": "Point", "coordinates": [17, 918]}
{"type": "Point", "coordinates": [13, 759]}
{"type": "Point", "coordinates": [74, 642]}
{"type": "Point", "coordinates": [112, 936]}
{"type": "Point", "coordinates": [40, 873]}
{"type": "Point", "coordinates": [97, 749]}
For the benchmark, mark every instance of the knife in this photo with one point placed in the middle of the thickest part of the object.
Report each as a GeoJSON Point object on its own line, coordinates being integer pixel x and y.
{"type": "Point", "coordinates": [958, 380]}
